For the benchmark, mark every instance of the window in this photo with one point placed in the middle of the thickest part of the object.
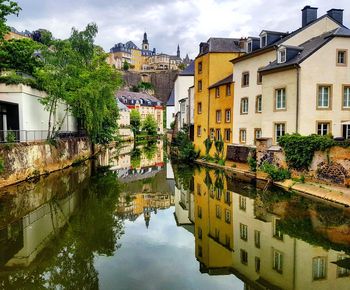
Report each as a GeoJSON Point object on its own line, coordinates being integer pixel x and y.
{"type": "Point", "coordinates": [244, 257]}
{"type": "Point", "coordinates": [199, 86]}
{"type": "Point", "coordinates": [263, 40]}
{"type": "Point", "coordinates": [199, 108]}
{"type": "Point", "coordinates": [227, 216]}
{"type": "Point", "coordinates": [258, 104]}
{"type": "Point", "coordinates": [324, 97]}
{"type": "Point", "coordinates": [242, 203]}
{"type": "Point", "coordinates": [199, 191]}
{"type": "Point", "coordinates": [212, 133]}
{"type": "Point", "coordinates": [257, 238]}
{"type": "Point", "coordinates": [217, 92]}
{"type": "Point", "coordinates": [228, 197]}
{"type": "Point", "coordinates": [228, 116]}
{"type": "Point", "coordinates": [280, 130]}
{"type": "Point", "coordinates": [218, 134]}
{"type": "Point", "coordinates": [257, 134]}
{"type": "Point", "coordinates": [276, 230]}
{"type": "Point", "coordinates": [228, 90]}
{"type": "Point", "coordinates": [342, 272]}
{"type": "Point", "coordinates": [277, 261]}
{"type": "Point", "coordinates": [218, 211]}
{"type": "Point", "coordinates": [282, 55]}
{"type": "Point", "coordinates": [250, 46]}
{"type": "Point", "coordinates": [245, 79]}
{"type": "Point", "coordinates": [342, 57]}
{"type": "Point", "coordinates": [199, 131]}
{"type": "Point", "coordinates": [244, 106]}
{"type": "Point", "coordinates": [200, 251]}
{"type": "Point", "coordinates": [323, 128]}
{"type": "Point", "coordinates": [199, 233]}
{"type": "Point", "coordinates": [227, 241]}
{"type": "Point", "coordinates": [257, 264]}
{"type": "Point", "coordinates": [218, 193]}
{"type": "Point", "coordinates": [217, 234]}
{"type": "Point", "coordinates": [319, 268]}
{"type": "Point", "coordinates": [200, 65]}
{"type": "Point", "coordinates": [227, 135]}
{"type": "Point", "coordinates": [346, 97]}
{"type": "Point", "coordinates": [280, 99]}
{"type": "Point", "coordinates": [242, 135]}
{"type": "Point", "coordinates": [346, 131]}
{"type": "Point", "coordinates": [259, 78]}
{"type": "Point", "coordinates": [243, 231]}
{"type": "Point", "coordinates": [199, 212]}
{"type": "Point", "coordinates": [218, 116]}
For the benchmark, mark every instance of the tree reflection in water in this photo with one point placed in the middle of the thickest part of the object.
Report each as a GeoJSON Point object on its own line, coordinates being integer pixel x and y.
{"type": "Point", "coordinates": [67, 262]}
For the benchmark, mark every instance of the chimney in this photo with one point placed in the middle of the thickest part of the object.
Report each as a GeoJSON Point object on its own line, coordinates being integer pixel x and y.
{"type": "Point", "coordinates": [336, 14]}
{"type": "Point", "coordinates": [309, 14]}
{"type": "Point", "coordinates": [242, 43]}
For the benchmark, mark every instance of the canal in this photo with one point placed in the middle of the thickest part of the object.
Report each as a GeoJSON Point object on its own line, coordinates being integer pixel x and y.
{"type": "Point", "coordinates": [133, 220]}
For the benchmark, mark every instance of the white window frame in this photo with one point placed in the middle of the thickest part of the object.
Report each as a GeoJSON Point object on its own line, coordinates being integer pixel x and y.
{"type": "Point", "coordinates": [277, 261]}
{"type": "Point", "coordinates": [346, 97]}
{"type": "Point", "coordinates": [319, 268]}
{"type": "Point", "coordinates": [322, 96]}
{"type": "Point", "coordinates": [218, 115]}
{"type": "Point", "coordinates": [282, 55]}
{"type": "Point", "coordinates": [262, 40]}
{"type": "Point", "coordinates": [244, 105]}
{"type": "Point", "coordinates": [278, 130]}
{"type": "Point", "coordinates": [243, 232]}
{"type": "Point", "coordinates": [258, 103]}
{"type": "Point", "coordinates": [281, 99]}
{"type": "Point", "coordinates": [322, 127]}
{"type": "Point", "coordinates": [228, 115]}
{"type": "Point", "coordinates": [243, 135]}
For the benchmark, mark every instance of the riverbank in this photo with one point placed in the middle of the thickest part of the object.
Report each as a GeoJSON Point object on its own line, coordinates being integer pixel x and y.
{"type": "Point", "coordinates": [330, 193]}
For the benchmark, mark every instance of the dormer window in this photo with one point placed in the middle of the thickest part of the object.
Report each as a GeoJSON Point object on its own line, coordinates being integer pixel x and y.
{"type": "Point", "coordinates": [263, 40]}
{"type": "Point", "coordinates": [282, 55]}
{"type": "Point", "coordinates": [250, 46]}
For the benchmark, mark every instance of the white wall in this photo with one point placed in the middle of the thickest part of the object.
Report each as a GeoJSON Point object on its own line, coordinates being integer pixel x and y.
{"type": "Point", "coordinates": [170, 115]}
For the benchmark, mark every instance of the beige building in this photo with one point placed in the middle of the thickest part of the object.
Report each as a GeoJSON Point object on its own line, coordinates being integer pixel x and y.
{"type": "Point", "coordinates": [294, 82]}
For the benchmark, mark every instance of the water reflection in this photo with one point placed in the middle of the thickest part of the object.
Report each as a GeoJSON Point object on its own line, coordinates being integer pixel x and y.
{"type": "Point", "coordinates": [270, 240]}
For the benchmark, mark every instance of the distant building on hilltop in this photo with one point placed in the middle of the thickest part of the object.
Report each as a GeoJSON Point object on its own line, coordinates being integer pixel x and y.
{"type": "Point", "coordinates": [144, 59]}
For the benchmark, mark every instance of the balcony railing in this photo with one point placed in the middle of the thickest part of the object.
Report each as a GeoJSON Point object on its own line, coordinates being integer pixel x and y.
{"type": "Point", "coordinates": [16, 136]}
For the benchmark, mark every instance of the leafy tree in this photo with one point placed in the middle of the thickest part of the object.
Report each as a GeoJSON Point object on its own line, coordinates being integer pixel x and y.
{"type": "Point", "coordinates": [150, 125]}
{"type": "Point", "coordinates": [7, 8]}
{"type": "Point", "coordinates": [75, 73]}
{"type": "Point", "coordinates": [126, 66]}
{"type": "Point", "coordinates": [20, 55]}
{"type": "Point", "coordinates": [135, 121]}
{"type": "Point", "coordinates": [43, 36]}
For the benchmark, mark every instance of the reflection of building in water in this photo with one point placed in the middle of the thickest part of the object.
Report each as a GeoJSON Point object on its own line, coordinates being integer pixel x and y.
{"type": "Point", "coordinates": [232, 235]}
{"type": "Point", "coordinates": [182, 208]}
{"type": "Point", "coordinates": [23, 240]}
{"type": "Point", "coordinates": [131, 206]}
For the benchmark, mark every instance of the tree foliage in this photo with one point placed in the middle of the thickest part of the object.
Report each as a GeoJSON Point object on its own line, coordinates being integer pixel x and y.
{"type": "Point", "coordinates": [150, 125]}
{"type": "Point", "coordinates": [43, 36]}
{"type": "Point", "coordinates": [135, 121]}
{"type": "Point", "coordinates": [75, 73]}
{"type": "Point", "coordinates": [7, 8]}
{"type": "Point", "coordinates": [20, 55]}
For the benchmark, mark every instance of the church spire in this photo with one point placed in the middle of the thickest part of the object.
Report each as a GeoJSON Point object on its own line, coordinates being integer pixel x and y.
{"type": "Point", "coordinates": [178, 51]}
{"type": "Point", "coordinates": [145, 44]}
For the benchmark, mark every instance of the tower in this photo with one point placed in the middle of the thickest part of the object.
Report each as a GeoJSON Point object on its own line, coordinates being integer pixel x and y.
{"type": "Point", "coordinates": [178, 51]}
{"type": "Point", "coordinates": [145, 44]}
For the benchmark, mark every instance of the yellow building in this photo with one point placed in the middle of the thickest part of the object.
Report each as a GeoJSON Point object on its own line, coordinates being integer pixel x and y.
{"type": "Point", "coordinates": [212, 65]}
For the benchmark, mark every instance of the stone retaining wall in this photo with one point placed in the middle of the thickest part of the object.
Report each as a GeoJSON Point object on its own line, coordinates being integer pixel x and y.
{"type": "Point", "coordinates": [27, 160]}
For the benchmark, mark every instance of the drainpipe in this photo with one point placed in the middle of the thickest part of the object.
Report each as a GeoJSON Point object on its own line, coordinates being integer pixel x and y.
{"type": "Point", "coordinates": [297, 105]}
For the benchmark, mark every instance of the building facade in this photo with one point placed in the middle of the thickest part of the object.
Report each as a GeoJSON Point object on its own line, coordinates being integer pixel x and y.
{"type": "Point", "coordinates": [294, 82]}
{"type": "Point", "coordinates": [212, 65]}
{"type": "Point", "coordinates": [145, 104]}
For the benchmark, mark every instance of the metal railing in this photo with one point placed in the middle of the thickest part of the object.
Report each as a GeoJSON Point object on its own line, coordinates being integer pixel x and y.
{"type": "Point", "coordinates": [16, 136]}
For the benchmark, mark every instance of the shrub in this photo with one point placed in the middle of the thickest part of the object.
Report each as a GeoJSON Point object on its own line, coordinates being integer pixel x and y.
{"type": "Point", "coordinates": [275, 173]}
{"type": "Point", "coordinates": [300, 150]}
{"type": "Point", "coordinates": [186, 150]}
{"type": "Point", "coordinates": [252, 163]}
{"type": "Point", "coordinates": [208, 143]}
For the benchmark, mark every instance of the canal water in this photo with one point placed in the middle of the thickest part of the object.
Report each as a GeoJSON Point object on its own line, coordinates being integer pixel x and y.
{"type": "Point", "coordinates": [133, 220]}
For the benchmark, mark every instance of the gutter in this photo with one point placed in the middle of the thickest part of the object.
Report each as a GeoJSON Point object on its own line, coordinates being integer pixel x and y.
{"type": "Point", "coordinates": [298, 97]}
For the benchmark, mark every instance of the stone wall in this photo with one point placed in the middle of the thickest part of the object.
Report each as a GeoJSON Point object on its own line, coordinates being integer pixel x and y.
{"type": "Point", "coordinates": [331, 166]}
{"type": "Point", "coordinates": [237, 153]}
{"type": "Point", "coordinates": [27, 160]}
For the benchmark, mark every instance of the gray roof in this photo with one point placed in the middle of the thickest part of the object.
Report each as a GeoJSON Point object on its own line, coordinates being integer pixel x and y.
{"type": "Point", "coordinates": [216, 44]}
{"type": "Point", "coordinates": [171, 99]}
{"type": "Point", "coordinates": [189, 70]}
{"type": "Point", "coordinates": [121, 106]}
{"type": "Point", "coordinates": [225, 81]}
{"type": "Point", "coordinates": [308, 48]}
{"type": "Point", "coordinates": [126, 96]}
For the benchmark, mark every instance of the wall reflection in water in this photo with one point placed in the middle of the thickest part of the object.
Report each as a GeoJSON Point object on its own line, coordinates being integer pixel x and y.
{"type": "Point", "coordinates": [270, 240]}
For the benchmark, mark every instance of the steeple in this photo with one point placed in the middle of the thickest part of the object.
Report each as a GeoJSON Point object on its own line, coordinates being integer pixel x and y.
{"type": "Point", "coordinates": [178, 51]}
{"type": "Point", "coordinates": [145, 44]}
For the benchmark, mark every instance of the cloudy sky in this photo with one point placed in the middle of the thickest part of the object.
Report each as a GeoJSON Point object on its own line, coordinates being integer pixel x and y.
{"type": "Point", "coordinates": [167, 22]}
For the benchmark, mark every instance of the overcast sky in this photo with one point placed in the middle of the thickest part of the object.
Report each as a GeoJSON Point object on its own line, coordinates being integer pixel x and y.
{"type": "Point", "coordinates": [167, 22]}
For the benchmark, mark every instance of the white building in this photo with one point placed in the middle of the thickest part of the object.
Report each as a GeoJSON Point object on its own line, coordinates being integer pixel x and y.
{"type": "Point", "coordinates": [124, 121]}
{"type": "Point", "coordinates": [22, 113]}
{"type": "Point", "coordinates": [183, 82]}
{"type": "Point", "coordinates": [294, 82]}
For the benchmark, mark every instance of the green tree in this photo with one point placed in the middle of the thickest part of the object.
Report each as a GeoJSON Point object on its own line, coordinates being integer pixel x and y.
{"type": "Point", "coordinates": [150, 125]}
{"type": "Point", "coordinates": [75, 73]}
{"type": "Point", "coordinates": [20, 55]}
{"type": "Point", "coordinates": [7, 8]}
{"type": "Point", "coordinates": [43, 36]}
{"type": "Point", "coordinates": [135, 121]}
{"type": "Point", "coordinates": [126, 66]}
